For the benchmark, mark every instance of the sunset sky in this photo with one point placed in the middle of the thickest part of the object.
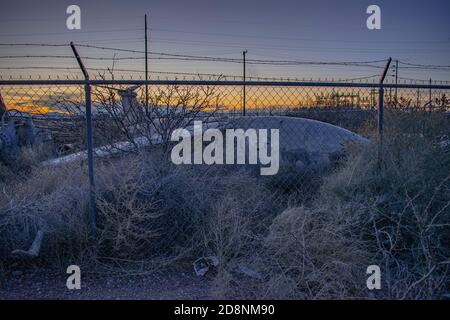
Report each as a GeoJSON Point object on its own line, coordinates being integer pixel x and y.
{"type": "Point", "coordinates": [413, 31]}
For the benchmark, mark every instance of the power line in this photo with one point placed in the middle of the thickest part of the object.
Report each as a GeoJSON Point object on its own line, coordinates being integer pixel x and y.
{"type": "Point", "coordinates": [187, 58]}
{"type": "Point", "coordinates": [71, 32]}
{"type": "Point", "coordinates": [36, 56]}
{"type": "Point", "coordinates": [288, 47]}
{"type": "Point", "coordinates": [423, 66]}
{"type": "Point", "coordinates": [192, 56]}
{"type": "Point", "coordinates": [33, 45]}
{"type": "Point", "coordinates": [299, 39]}
{"type": "Point", "coordinates": [171, 56]}
{"type": "Point", "coordinates": [184, 57]}
{"type": "Point", "coordinates": [62, 44]}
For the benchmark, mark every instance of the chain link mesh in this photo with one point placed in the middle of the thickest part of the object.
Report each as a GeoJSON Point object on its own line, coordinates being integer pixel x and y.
{"type": "Point", "coordinates": [123, 120]}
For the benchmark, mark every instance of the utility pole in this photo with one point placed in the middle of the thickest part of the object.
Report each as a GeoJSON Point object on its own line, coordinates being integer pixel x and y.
{"type": "Point", "coordinates": [146, 65]}
{"type": "Point", "coordinates": [244, 93]}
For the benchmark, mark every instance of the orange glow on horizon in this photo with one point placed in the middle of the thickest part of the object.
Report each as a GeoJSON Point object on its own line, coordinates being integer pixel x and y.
{"type": "Point", "coordinates": [36, 110]}
{"type": "Point", "coordinates": [226, 98]}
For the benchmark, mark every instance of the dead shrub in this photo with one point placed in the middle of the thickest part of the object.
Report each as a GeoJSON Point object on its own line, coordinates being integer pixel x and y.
{"type": "Point", "coordinates": [400, 199]}
{"type": "Point", "coordinates": [52, 200]}
{"type": "Point", "coordinates": [305, 255]}
{"type": "Point", "coordinates": [126, 207]}
{"type": "Point", "coordinates": [146, 210]}
{"type": "Point", "coordinates": [309, 248]}
{"type": "Point", "coordinates": [390, 209]}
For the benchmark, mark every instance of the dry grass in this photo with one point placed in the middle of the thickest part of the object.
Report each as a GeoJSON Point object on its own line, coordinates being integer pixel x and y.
{"type": "Point", "coordinates": [391, 209]}
{"type": "Point", "coordinates": [146, 210]}
{"type": "Point", "coordinates": [402, 205]}
{"type": "Point", "coordinates": [304, 255]}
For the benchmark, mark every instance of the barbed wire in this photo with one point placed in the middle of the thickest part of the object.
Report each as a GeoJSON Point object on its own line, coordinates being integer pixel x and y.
{"type": "Point", "coordinates": [277, 62]}
{"type": "Point", "coordinates": [423, 65]}
{"type": "Point", "coordinates": [423, 80]}
{"type": "Point", "coordinates": [187, 57]}
{"type": "Point", "coordinates": [184, 74]}
{"type": "Point", "coordinates": [172, 56]}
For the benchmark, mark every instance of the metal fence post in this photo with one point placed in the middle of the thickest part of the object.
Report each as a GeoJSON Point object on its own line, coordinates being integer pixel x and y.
{"type": "Point", "coordinates": [244, 97]}
{"type": "Point", "coordinates": [90, 152]}
{"type": "Point", "coordinates": [381, 102]}
{"type": "Point", "coordinates": [380, 113]}
{"type": "Point", "coordinates": [92, 206]}
{"type": "Point", "coordinates": [431, 99]}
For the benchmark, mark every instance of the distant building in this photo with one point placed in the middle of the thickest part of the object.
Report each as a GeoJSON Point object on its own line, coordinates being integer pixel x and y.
{"type": "Point", "coordinates": [338, 100]}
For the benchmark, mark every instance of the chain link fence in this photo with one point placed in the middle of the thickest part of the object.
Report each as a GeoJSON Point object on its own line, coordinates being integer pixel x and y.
{"type": "Point", "coordinates": [347, 105]}
{"type": "Point", "coordinates": [317, 121]}
{"type": "Point", "coordinates": [303, 182]}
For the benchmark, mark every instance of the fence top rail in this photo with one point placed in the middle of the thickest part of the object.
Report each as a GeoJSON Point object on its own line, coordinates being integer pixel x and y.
{"type": "Point", "coordinates": [224, 83]}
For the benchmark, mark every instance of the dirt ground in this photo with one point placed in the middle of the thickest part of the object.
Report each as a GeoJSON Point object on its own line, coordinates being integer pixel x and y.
{"type": "Point", "coordinates": [45, 284]}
